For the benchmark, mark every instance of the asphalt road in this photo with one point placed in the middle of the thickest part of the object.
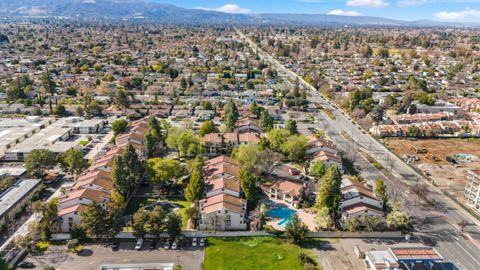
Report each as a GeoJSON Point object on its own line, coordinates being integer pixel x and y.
{"type": "Point", "coordinates": [94, 256]}
{"type": "Point", "coordinates": [436, 225]}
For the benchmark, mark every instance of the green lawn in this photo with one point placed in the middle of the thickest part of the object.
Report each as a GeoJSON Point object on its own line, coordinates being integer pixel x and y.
{"type": "Point", "coordinates": [252, 253]}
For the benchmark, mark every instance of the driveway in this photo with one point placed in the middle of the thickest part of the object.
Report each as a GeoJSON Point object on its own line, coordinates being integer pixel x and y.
{"type": "Point", "coordinates": [94, 256]}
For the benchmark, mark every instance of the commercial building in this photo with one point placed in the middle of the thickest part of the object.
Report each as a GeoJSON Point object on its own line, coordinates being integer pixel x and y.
{"type": "Point", "coordinates": [408, 258]}
{"type": "Point", "coordinates": [22, 135]}
{"type": "Point", "coordinates": [15, 198]}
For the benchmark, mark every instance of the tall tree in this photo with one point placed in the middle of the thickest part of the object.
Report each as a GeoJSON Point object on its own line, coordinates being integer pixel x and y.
{"type": "Point", "coordinates": [139, 222]}
{"type": "Point", "coordinates": [207, 127]}
{"type": "Point", "coordinates": [247, 182]}
{"type": "Point", "coordinates": [73, 162]}
{"type": "Point", "coordinates": [149, 145]}
{"type": "Point", "coordinates": [174, 225]}
{"type": "Point", "coordinates": [122, 99]}
{"type": "Point", "coordinates": [329, 194]}
{"type": "Point", "coordinates": [119, 126]}
{"type": "Point", "coordinates": [291, 126]}
{"type": "Point", "coordinates": [133, 167]}
{"type": "Point", "coordinates": [160, 170]}
{"type": "Point", "coordinates": [266, 120]}
{"type": "Point", "coordinates": [194, 190]}
{"type": "Point", "coordinates": [48, 83]}
{"type": "Point", "coordinates": [230, 115]}
{"type": "Point", "coordinates": [294, 148]}
{"type": "Point", "coordinates": [92, 220]}
{"type": "Point", "coordinates": [156, 221]}
{"type": "Point", "coordinates": [119, 176]}
{"type": "Point", "coordinates": [156, 130]}
{"type": "Point", "coordinates": [40, 160]}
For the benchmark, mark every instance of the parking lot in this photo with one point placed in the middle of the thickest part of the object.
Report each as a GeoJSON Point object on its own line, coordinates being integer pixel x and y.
{"type": "Point", "coordinates": [93, 256]}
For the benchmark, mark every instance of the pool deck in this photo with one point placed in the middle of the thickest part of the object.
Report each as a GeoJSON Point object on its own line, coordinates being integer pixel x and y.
{"type": "Point", "coordinates": [305, 215]}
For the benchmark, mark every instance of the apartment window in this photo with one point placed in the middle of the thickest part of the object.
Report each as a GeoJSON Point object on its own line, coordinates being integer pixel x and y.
{"type": "Point", "coordinates": [229, 217]}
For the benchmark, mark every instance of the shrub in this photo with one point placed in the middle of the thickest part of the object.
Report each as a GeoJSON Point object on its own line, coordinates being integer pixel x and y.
{"type": "Point", "coordinates": [42, 246]}
{"type": "Point", "coordinates": [49, 268]}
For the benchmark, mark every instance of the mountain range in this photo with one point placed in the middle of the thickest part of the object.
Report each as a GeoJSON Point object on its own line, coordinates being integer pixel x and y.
{"type": "Point", "coordinates": [165, 13]}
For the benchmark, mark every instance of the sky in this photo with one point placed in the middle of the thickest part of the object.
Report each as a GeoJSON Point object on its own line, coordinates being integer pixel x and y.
{"type": "Point", "coordinates": [440, 10]}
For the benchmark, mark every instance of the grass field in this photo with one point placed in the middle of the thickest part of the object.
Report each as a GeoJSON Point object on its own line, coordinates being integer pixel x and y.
{"type": "Point", "coordinates": [252, 253]}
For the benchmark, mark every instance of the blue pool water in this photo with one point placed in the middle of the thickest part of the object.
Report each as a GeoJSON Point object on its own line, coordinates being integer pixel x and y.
{"type": "Point", "coordinates": [284, 213]}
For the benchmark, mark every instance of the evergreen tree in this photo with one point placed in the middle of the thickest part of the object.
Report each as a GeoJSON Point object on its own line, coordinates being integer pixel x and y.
{"type": "Point", "coordinates": [92, 220]}
{"type": "Point", "coordinates": [329, 194]}
{"type": "Point", "coordinates": [195, 189]}
{"type": "Point", "coordinates": [231, 115]}
{"type": "Point", "coordinates": [291, 126]}
{"type": "Point", "coordinates": [266, 121]}
{"type": "Point", "coordinates": [247, 182]}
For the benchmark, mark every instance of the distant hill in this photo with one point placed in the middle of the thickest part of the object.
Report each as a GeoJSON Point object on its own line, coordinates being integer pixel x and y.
{"type": "Point", "coordinates": [114, 9]}
{"type": "Point", "coordinates": [165, 13]}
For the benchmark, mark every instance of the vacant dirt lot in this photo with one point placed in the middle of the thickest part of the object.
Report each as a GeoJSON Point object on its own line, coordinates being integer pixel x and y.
{"type": "Point", "coordinates": [434, 163]}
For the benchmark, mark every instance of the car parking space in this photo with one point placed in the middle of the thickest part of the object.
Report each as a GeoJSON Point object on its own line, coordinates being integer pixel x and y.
{"type": "Point", "coordinates": [95, 255]}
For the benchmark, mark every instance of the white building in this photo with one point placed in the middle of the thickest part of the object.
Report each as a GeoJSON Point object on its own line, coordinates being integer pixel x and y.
{"type": "Point", "coordinates": [223, 212]}
{"type": "Point", "coordinates": [358, 200]}
{"type": "Point", "coordinates": [472, 190]}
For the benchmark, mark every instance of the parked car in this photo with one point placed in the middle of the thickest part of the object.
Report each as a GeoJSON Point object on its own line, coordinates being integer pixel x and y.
{"type": "Point", "coordinates": [194, 242]}
{"type": "Point", "coordinates": [174, 245]}
{"type": "Point", "coordinates": [153, 245]}
{"type": "Point", "coordinates": [26, 265]}
{"type": "Point", "coordinates": [202, 242]}
{"type": "Point", "coordinates": [114, 246]}
{"type": "Point", "coordinates": [139, 244]}
{"type": "Point", "coordinates": [167, 245]}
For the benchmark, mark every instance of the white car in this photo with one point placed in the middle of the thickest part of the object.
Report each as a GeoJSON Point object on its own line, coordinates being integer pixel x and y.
{"type": "Point", "coordinates": [167, 245]}
{"type": "Point", "coordinates": [174, 245]}
{"type": "Point", "coordinates": [194, 242]}
{"type": "Point", "coordinates": [139, 244]}
{"type": "Point", "coordinates": [202, 242]}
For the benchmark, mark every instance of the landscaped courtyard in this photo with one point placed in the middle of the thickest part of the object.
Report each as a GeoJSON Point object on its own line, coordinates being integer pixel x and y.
{"type": "Point", "coordinates": [251, 253]}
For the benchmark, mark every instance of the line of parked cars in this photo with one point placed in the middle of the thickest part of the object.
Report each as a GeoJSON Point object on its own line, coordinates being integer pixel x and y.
{"type": "Point", "coordinates": [167, 244]}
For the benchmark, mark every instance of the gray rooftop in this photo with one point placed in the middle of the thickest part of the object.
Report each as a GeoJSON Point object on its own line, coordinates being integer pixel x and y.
{"type": "Point", "coordinates": [16, 193]}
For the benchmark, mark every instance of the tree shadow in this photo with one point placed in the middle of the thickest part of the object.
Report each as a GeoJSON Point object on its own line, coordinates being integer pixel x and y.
{"type": "Point", "coordinates": [85, 253]}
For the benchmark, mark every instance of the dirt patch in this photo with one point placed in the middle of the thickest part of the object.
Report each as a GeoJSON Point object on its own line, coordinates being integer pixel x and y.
{"type": "Point", "coordinates": [432, 159]}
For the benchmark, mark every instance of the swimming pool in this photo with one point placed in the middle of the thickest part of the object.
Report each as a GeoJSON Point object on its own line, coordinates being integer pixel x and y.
{"type": "Point", "coordinates": [284, 213]}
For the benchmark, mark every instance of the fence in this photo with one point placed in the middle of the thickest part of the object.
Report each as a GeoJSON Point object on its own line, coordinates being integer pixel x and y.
{"type": "Point", "coordinates": [334, 234]}
{"type": "Point", "coordinates": [338, 234]}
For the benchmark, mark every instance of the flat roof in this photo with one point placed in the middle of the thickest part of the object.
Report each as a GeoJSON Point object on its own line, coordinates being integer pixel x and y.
{"type": "Point", "coordinates": [12, 171]}
{"type": "Point", "coordinates": [415, 253]}
{"type": "Point", "coordinates": [138, 266]}
{"type": "Point", "coordinates": [16, 193]}
{"type": "Point", "coordinates": [381, 257]}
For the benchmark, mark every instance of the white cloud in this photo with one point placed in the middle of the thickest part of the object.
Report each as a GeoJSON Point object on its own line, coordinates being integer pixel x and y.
{"type": "Point", "coordinates": [465, 14]}
{"type": "Point", "coordinates": [367, 3]}
{"type": "Point", "coordinates": [228, 8]}
{"type": "Point", "coordinates": [340, 12]}
{"type": "Point", "coordinates": [406, 3]}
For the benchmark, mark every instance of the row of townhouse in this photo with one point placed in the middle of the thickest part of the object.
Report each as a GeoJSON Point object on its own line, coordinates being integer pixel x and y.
{"type": "Point", "coordinates": [358, 199]}
{"type": "Point", "coordinates": [247, 130]}
{"type": "Point", "coordinates": [472, 190]}
{"type": "Point", "coordinates": [455, 127]}
{"type": "Point", "coordinates": [223, 209]}
{"type": "Point", "coordinates": [95, 184]}
{"type": "Point", "coordinates": [422, 117]}
{"type": "Point", "coordinates": [467, 104]}
{"type": "Point", "coordinates": [321, 150]}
